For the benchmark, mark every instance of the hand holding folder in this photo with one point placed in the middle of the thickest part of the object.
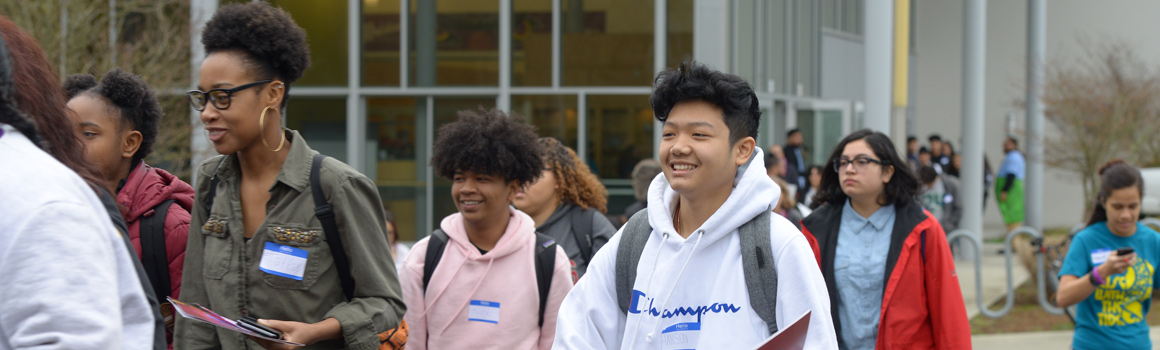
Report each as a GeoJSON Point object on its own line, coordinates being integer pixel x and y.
{"type": "Point", "coordinates": [200, 313]}
{"type": "Point", "coordinates": [789, 338]}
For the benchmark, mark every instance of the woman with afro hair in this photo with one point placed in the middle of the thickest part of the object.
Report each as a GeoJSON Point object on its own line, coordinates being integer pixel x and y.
{"type": "Point", "coordinates": [255, 205]}
{"type": "Point", "coordinates": [567, 203]}
{"type": "Point", "coordinates": [117, 121]}
{"type": "Point", "coordinates": [485, 292]}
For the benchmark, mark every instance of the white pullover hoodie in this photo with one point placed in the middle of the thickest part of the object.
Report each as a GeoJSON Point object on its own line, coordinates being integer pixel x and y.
{"type": "Point", "coordinates": [691, 293]}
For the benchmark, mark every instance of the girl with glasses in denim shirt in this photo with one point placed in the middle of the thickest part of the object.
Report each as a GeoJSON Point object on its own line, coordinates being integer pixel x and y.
{"type": "Point", "coordinates": [886, 262]}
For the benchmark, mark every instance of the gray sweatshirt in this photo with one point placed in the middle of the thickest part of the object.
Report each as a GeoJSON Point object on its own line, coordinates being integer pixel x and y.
{"type": "Point", "coordinates": [561, 227]}
{"type": "Point", "coordinates": [68, 279]}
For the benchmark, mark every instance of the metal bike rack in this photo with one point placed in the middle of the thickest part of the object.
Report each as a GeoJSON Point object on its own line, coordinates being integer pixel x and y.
{"type": "Point", "coordinates": [1010, 302]}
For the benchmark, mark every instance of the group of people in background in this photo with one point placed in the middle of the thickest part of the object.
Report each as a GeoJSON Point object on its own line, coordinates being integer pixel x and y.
{"type": "Point", "coordinates": [725, 245]}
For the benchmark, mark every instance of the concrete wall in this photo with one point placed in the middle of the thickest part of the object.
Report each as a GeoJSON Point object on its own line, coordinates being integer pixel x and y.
{"type": "Point", "coordinates": [938, 105]}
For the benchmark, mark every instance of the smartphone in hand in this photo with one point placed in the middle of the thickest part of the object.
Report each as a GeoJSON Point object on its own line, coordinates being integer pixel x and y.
{"type": "Point", "coordinates": [1125, 251]}
{"type": "Point", "coordinates": [251, 324]}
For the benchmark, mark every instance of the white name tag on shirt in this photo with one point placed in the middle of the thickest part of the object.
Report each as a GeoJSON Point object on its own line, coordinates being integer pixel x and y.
{"type": "Point", "coordinates": [285, 261]}
{"type": "Point", "coordinates": [1099, 256]}
{"type": "Point", "coordinates": [679, 336]}
{"type": "Point", "coordinates": [483, 311]}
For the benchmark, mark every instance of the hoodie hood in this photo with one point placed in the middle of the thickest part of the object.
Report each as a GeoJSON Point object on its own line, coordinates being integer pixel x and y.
{"type": "Point", "coordinates": [754, 192]}
{"type": "Point", "coordinates": [146, 187]}
{"type": "Point", "coordinates": [520, 229]}
{"type": "Point", "coordinates": [562, 210]}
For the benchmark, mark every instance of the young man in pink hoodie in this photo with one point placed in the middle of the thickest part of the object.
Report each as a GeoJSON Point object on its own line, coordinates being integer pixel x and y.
{"type": "Point", "coordinates": [485, 291]}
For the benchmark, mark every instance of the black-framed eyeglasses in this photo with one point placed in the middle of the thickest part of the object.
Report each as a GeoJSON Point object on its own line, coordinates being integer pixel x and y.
{"type": "Point", "coordinates": [860, 163]}
{"type": "Point", "coordinates": [219, 97]}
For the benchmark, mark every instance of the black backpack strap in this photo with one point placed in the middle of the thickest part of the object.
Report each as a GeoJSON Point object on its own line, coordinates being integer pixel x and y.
{"type": "Point", "coordinates": [154, 257]}
{"type": "Point", "coordinates": [435, 246]}
{"type": "Point", "coordinates": [633, 237]}
{"type": "Point", "coordinates": [922, 239]}
{"type": "Point", "coordinates": [582, 230]}
{"type": "Point", "coordinates": [213, 185]}
{"type": "Point", "coordinates": [545, 268]}
{"type": "Point", "coordinates": [325, 214]}
{"type": "Point", "coordinates": [759, 268]}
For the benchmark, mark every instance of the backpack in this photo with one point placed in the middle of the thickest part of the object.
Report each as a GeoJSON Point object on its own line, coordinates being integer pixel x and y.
{"type": "Point", "coordinates": [391, 339]}
{"type": "Point", "coordinates": [582, 229]}
{"type": "Point", "coordinates": [545, 261]}
{"type": "Point", "coordinates": [760, 272]}
{"type": "Point", "coordinates": [154, 257]}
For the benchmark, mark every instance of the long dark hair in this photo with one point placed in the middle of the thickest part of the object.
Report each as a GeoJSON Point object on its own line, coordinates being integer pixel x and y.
{"type": "Point", "coordinates": [900, 191]}
{"type": "Point", "coordinates": [1114, 175]}
{"type": "Point", "coordinates": [41, 100]}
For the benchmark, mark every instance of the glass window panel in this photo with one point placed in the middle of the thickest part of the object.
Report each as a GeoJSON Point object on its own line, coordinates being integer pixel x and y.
{"type": "Point", "coordinates": [775, 47]}
{"type": "Point", "coordinates": [531, 43]}
{"type": "Point", "coordinates": [853, 17]}
{"type": "Point", "coordinates": [322, 122]}
{"type": "Point", "coordinates": [396, 129]}
{"type": "Point", "coordinates": [679, 45]}
{"type": "Point", "coordinates": [446, 109]}
{"type": "Point", "coordinates": [380, 42]}
{"type": "Point", "coordinates": [830, 10]}
{"type": "Point", "coordinates": [806, 41]}
{"type": "Point", "coordinates": [454, 43]}
{"type": "Point", "coordinates": [745, 36]}
{"type": "Point", "coordinates": [553, 115]}
{"type": "Point", "coordinates": [607, 42]}
{"type": "Point", "coordinates": [620, 133]}
{"type": "Point", "coordinates": [325, 26]}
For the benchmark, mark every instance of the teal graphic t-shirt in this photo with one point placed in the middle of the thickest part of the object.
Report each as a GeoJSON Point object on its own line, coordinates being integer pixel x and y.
{"type": "Point", "coordinates": [1113, 316]}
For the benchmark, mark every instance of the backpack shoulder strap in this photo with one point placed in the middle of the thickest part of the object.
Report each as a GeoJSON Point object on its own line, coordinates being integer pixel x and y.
{"type": "Point", "coordinates": [632, 240]}
{"type": "Point", "coordinates": [760, 271]}
{"type": "Point", "coordinates": [922, 239]}
{"type": "Point", "coordinates": [435, 246]}
{"type": "Point", "coordinates": [213, 185]}
{"type": "Point", "coordinates": [154, 256]}
{"type": "Point", "coordinates": [545, 268]}
{"type": "Point", "coordinates": [582, 230]}
{"type": "Point", "coordinates": [325, 214]}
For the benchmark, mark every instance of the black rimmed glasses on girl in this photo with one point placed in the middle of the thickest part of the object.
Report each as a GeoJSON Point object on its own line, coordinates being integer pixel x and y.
{"type": "Point", "coordinates": [860, 163]}
{"type": "Point", "coordinates": [219, 97]}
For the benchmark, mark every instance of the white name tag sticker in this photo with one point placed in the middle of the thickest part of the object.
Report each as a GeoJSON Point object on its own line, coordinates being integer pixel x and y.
{"type": "Point", "coordinates": [1099, 256]}
{"type": "Point", "coordinates": [483, 311]}
{"type": "Point", "coordinates": [280, 260]}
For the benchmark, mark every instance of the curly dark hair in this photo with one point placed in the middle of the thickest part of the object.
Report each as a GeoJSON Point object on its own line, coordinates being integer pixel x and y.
{"type": "Point", "coordinates": [272, 43]}
{"type": "Point", "coordinates": [694, 81]}
{"type": "Point", "coordinates": [1116, 174]}
{"type": "Point", "coordinates": [578, 185]}
{"type": "Point", "coordinates": [903, 188]}
{"type": "Point", "coordinates": [126, 94]}
{"type": "Point", "coordinates": [489, 142]}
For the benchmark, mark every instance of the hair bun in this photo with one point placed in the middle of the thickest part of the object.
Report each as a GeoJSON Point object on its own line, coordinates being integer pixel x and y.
{"type": "Point", "coordinates": [124, 89]}
{"type": "Point", "coordinates": [77, 83]}
{"type": "Point", "coordinates": [1110, 164]}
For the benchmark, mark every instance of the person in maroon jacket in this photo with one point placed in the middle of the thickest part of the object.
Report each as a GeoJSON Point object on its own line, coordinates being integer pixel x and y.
{"type": "Point", "coordinates": [887, 265]}
{"type": "Point", "coordinates": [117, 119]}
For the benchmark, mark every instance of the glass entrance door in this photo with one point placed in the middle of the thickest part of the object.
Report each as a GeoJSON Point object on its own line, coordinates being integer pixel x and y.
{"type": "Point", "coordinates": [823, 124]}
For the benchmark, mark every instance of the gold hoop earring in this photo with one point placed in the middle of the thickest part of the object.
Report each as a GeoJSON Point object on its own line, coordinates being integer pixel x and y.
{"type": "Point", "coordinates": [262, 127]}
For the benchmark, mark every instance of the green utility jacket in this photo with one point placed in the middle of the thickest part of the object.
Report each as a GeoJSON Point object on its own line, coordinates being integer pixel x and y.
{"type": "Point", "coordinates": [221, 269]}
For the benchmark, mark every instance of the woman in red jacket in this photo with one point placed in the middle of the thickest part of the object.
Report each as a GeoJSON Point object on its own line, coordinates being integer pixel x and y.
{"type": "Point", "coordinates": [117, 119]}
{"type": "Point", "coordinates": [886, 262]}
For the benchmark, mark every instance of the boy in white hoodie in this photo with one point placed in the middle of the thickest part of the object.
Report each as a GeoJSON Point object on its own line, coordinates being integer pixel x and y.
{"type": "Point", "coordinates": [485, 291]}
{"type": "Point", "coordinates": [690, 290]}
